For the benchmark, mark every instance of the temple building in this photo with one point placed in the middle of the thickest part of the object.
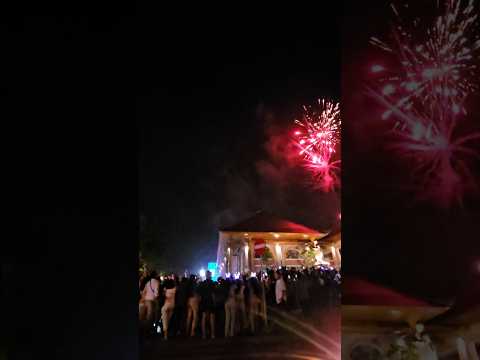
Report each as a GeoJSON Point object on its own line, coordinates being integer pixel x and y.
{"type": "Point", "coordinates": [265, 240]}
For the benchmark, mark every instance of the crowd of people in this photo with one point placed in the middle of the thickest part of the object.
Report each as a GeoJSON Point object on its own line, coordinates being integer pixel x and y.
{"type": "Point", "coordinates": [187, 306]}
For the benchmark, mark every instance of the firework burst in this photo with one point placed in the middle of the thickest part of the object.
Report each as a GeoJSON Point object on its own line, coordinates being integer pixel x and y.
{"type": "Point", "coordinates": [317, 136]}
{"type": "Point", "coordinates": [435, 62]}
{"type": "Point", "coordinates": [426, 92]}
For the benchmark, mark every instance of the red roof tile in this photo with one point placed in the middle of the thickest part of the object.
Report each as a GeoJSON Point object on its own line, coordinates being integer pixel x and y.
{"type": "Point", "coordinates": [356, 291]}
{"type": "Point", "coordinates": [263, 222]}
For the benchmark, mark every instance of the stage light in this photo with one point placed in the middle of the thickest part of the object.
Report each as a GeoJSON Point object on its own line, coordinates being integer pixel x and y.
{"type": "Point", "coordinates": [202, 273]}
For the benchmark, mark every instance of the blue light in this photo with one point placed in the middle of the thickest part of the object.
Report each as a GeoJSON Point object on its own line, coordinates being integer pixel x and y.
{"type": "Point", "coordinates": [212, 267]}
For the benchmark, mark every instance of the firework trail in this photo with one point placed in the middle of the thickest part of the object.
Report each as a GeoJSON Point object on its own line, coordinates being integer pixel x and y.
{"type": "Point", "coordinates": [425, 92]}
{"type": "Point", "coordinates": [317, 136]}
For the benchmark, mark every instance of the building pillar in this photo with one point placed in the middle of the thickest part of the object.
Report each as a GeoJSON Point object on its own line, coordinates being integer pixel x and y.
{"type": "Point", "coordinates": [229, 259]}
{"type": "Point", "coordinates": [251, 256]}
{"type": "Point", "coordinates": [278, 254]}
{"type": "Point", "coordinates": [244, 250]}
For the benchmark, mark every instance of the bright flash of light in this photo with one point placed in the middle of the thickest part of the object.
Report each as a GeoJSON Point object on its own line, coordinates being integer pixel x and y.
{"type": "Point", "coordinates": [202, 273]}
{"type": "Point", "coordinates": [424, 95]}
{"type": "Point", "coordinates": [317, 138]}
{"type": "Point", "coordinates": [324, 342]}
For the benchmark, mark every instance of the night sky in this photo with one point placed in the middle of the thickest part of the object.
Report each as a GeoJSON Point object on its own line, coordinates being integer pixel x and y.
{"type": "Point", "coordinates": [215, 116]}
{"type": "Point", "coordinates": [216, 105]}
{"type": "Point", "coordinates": [389, 234]}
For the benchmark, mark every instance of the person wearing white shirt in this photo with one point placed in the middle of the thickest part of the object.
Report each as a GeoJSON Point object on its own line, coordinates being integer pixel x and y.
{"type": "Point", "coordinates": [230, 310]}
{"type": "Point", "coordinates": [280, 289]}
{"type": "Point", "coordinates": [150, 296]}
{"type": "Point", "coordinates": [168, 306]}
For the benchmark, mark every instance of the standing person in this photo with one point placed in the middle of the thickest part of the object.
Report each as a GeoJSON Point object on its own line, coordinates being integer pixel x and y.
{"type": "Point", "coordinates": [230, 309]}
{"type": "Point", "coordinates": [168, 306]}
{"type": "Point", "coordinates": [180, 313]}
{"type": "Point", "coordinates": [150, 299]}
{"type": "Point", "coordinates": [264, 291]}
{"type": "Point", "coordinates": [270, 281]}
{"type": "Point", "coordinates": [302, 292]}
{"type": "Point", "coordinates": [240, 303]}
{"type": "Point", "coordinates": [254, 303]}
{"type": "Point", "coordinates": [221, 294]}
{"type": "Point", "coordinates": [193, 305]}
{"type": "Point", "coordinates": [280, 290]}
{"type": "Point", "coordinates": [207, 305]}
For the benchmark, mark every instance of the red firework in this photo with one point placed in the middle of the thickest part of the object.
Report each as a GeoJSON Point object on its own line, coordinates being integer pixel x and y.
{"type": "Point", "coordinates": [317, 136]}
{"type": "Point", "coordinates": [425, 93]}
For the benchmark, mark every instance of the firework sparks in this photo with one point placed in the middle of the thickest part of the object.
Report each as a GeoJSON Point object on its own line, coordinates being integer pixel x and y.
{"type": "Point", "coordinates": [425, 95]}
{"type": "Point", "coordinates": [317, 136]}
{"type": "Point", "coordinates": [438, 65]}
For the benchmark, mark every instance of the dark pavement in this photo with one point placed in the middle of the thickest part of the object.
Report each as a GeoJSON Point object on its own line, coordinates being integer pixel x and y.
{"type": "Point", "coordinates": [293, 337]}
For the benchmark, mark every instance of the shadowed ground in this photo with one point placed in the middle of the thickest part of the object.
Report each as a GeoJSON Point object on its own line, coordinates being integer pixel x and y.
{"type": "Point", "coordinates": [293, 337]}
